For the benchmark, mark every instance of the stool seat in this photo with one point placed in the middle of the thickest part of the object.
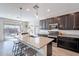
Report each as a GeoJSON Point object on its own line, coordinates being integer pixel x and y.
{"type": "Point", "coordinates": [22, 45]}
{"type": "Point", "coordinates": [18, 48]}
{"type": "Point", "coordinates": [30, 52]}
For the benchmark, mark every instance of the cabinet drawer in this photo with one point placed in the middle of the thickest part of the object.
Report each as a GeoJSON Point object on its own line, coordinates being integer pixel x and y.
{"type": "Point", "coordinates": [69, 43]}
{"type": "Point", "coordinates": [67, 39]}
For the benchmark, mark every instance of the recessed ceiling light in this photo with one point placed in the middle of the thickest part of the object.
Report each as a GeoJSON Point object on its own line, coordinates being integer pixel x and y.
{"type": "Point", "coordinates": [28, 9]}
{"type": "Point", "coordinates": [48, 10]}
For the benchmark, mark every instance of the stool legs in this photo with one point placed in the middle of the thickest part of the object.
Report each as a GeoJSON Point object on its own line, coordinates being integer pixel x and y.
{"type": "Point", "coordinates": [18, 49]}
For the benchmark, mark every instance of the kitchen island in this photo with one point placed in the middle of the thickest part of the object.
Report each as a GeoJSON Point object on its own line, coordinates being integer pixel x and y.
{"type": "Point", "coordinates": [42, 44]}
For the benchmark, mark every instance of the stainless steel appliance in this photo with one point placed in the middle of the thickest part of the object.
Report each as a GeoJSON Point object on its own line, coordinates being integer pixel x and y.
{"type": "Point", "coordinates": [54, 32]}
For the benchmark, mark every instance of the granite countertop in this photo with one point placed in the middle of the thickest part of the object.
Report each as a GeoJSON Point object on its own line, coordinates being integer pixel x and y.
{"type": "Point", "coordinates": [67, 33]}
{"type": "Point", "coordinates": [37, 42]}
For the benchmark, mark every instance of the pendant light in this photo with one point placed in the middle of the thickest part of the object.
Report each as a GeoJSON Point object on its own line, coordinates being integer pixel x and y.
{"type": "Point", "coordinates": [36, 7]}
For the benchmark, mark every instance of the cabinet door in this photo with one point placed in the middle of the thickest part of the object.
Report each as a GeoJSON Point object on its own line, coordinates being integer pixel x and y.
{"type": "Point", "coordinates": [69, 22]}
{"type": "Point", "coordinates": [41, 24]}
{"type": "Point", "coordinates": [69, 43]}
{"type": "Point", "coordinates": [47, 24]}
{"type": "Point", "coordinates": [55, 20]}
{"type": "Point", "coordinates": [66, 22]}
{"type": "Point", "coordinates": [61, 22]}
{"type": "Point", "coordinates": [77, 20]}
{"type": "Point", "coordinates": [50, 21]}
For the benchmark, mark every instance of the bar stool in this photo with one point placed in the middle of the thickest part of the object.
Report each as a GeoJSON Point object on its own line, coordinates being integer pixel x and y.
{"type": "Point", "coordinates": [15, 46]}
{"type": "Point", "coordinates": [21, 48]}
{"type": "Point", "coordinates": [18, 48]}
{"type": "Point", "coordinates": [30, 52]}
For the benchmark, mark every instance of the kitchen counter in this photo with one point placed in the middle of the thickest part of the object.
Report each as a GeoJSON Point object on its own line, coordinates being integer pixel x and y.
{"type": "Point", "coordinates": [37, 42]}
{"type": "Point", "coordinates": [41, 44]}
{"type": "Point", "coordinates": [69, 33]}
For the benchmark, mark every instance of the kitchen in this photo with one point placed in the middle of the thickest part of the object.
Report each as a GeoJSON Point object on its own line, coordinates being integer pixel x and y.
{"type": "Point", "coordinates": [44, 29]}
{"type": "Point", "coordinates": [66, 28]}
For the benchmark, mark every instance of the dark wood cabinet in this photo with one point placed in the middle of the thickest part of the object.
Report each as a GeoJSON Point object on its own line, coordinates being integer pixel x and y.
{"type": "Point", "coordinates": [70, 22]}
{"type": "Point", "coordinates": [76, 20]}
{"type": "Point", "coordinates": [41, 24]}
{"type": "Point", "coordinates": [50, 21]}
{"type": "Point", "coordinates": [69, 43]}
{"type": "Point", "coordinates": [44, 24]}
{"type": "Point", "coordinates": [66, 22]}
{"type": "Point", "coordinates": [55, 20]}
{"type": "Point", "coordinates": [47, 23]}
{"type": "Point", "coordinates": [61, 22]}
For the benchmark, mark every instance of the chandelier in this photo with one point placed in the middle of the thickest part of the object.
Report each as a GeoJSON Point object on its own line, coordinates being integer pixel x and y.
{"type": "Point", "coordinates": [19, 16]}
{"type": "Point", "coordinates": [36, 7]}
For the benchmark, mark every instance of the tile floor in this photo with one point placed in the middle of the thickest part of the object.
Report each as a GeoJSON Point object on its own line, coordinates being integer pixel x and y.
{"type": "Point", "coordinates": [6, 48]}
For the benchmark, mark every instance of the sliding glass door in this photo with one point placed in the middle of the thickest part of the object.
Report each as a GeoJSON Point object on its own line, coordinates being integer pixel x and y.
{"type": "Point", "coordinates": [11, 32]}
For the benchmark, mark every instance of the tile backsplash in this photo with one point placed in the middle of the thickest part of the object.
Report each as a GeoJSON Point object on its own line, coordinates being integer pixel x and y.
{"type": "Point", "coordinates": [76, 32]}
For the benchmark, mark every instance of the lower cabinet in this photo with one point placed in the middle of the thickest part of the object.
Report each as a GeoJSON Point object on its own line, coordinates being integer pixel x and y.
{"type": "Point", "coordinates": [68, 43]}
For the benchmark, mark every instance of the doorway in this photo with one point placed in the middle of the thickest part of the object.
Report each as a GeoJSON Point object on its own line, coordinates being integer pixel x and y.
{"type": "Point", "coordinates": [11, 32]}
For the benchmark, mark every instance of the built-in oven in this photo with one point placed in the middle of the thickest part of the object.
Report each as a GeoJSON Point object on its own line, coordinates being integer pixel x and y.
{"type": "Point", "coordinates": [54, 32]}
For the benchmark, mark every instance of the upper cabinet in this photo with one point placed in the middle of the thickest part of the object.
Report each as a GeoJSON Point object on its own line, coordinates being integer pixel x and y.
{"type": "Point", "coordinates": [76, 20]}
{"type": "Point", "coordinates": [61, 22]}
{"type": "Point", "coordinates": [53, 20]}
{"type": "Point", "coordinates": [44, 24]}
{"type": "Point", "coordinates": [66, 22]}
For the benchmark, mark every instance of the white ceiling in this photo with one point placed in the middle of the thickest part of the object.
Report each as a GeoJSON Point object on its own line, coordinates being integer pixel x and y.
{"type": "Point", "coordinates": [11, 11]}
